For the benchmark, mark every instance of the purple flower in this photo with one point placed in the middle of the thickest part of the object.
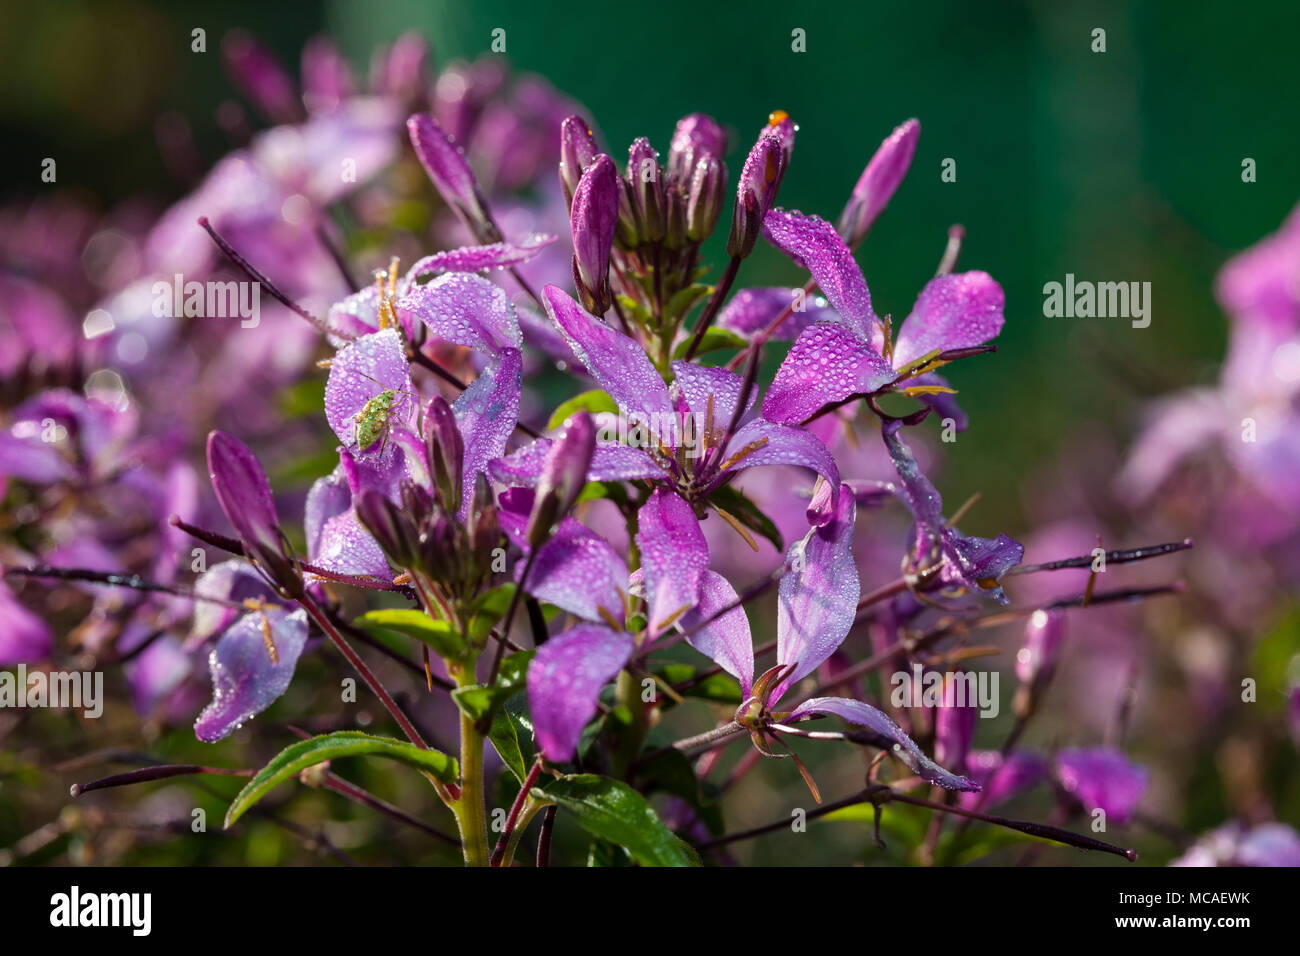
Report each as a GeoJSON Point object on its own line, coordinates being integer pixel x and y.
{"type": "Point", "coordinates": [954, 726]}
{"type": "Point", "coordinates": [817, 606]}
{"type": "Point", "coordinates": [1102, 779]}
{"type": "Point", "coordinates": [693, 460]}
{"type": "Point", "coordinates": [577, 151]}
{"type": "Point", "coordinates": [245, 497]}
{"type": "Point", "coordinates": [592, 219]}
{"type": "Point", "coordinates": [446, 165]}
{"type": "Point", "coordinates": [564, 474]}
{"type": "Point", "coordinates": [336, 539]}
{"type": "Point", "coordinates": [878, 182]}
{"type": "Point", "coordinates": [580, 572]}
{"type": "Point", "coordinates": [1235, 844]}
{"type": "Point", "coordinates": [369, 398]}
{"type": "Point", "coordinates": [832, 361]}
{"type": "Point", "coordinates": [247, 675]}
{"type": "Point", "coordinates": [696, 137]}
{"type": "Point", "coordinates": [756, 190]}
{"type": "Point", "coordinates": [262, 79]}
{"type": "Point", "coordinates": [1001, 778]}
{"type": "Point", "coordinates": [1036, 658]}
{"type": "Point", "coordinates": [942, 557]}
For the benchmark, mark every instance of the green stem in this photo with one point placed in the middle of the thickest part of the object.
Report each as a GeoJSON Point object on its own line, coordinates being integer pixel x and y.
{"type": "Point", "coordinates": [471, 809]}
{"type": "Point", "coordinates": [526, 815]}
{"type": "Point", "coordinates": [627, 693]}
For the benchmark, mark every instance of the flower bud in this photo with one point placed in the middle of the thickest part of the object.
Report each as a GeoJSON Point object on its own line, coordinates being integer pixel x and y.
{"type": "Point", "coordinates": [564, 474]}
{"type": "Point", "coordinates": [404, 71]}
{"type": "Point", "coordinates": [954, 722]}
{"type": "Point", "coordinates": [390, 526]}
{"type": "Point", "coordinates": [878, 182]}
{"type": "Point", "coordinates": [263, 80]}
{"type": "Point", "coordinates": [755, 192]}
{"type": "Point", "coordinates": [244, 494]}
{"type": "Point", "coordinates": [577, 150]}
{"type": "Point", "coordinates": [704, 202]}
{"type": "Point", "coordinates": [779, 122]}
{"type": "Point", "coordinates": [446, 165]}
{"type": "Point", "coordinates": [695, 137]}
{"type": "Point", "coordinates": [1037, 657]}
{"type": "Point", "coordinates": [592, 220]}
{"type": "Point", "coordinates": [646, 179]}
{"type": "Point", "coordinates": [446, 448]}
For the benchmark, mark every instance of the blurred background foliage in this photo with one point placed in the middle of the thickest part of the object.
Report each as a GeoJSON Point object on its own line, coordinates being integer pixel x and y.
{"type": "Point", "coordinates": [1116, 166]}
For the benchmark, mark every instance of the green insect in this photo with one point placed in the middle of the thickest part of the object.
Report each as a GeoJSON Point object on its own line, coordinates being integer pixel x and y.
{"type": "Point", "coordinates": [372, 420]}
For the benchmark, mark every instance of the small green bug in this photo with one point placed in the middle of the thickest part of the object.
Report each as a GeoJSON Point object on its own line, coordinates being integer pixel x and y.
{"type": "Point", "coordinates": [372, 420]}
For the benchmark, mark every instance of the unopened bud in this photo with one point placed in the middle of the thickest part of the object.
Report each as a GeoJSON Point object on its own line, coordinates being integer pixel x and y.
{"type": "Point", "coordinates": [563, 476]}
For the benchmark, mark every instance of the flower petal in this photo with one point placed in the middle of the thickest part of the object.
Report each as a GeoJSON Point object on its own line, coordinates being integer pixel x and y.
{"type": "Point", "coordinates": [495, 255]}
{"type": "Point", "coordinates": [1103, 779]}
{"type": "Point", "coordinates": [362, 371]}
{"type": "Point", "coordinates": [674, 556]}
{"type": "Point", "coordinates": [564, 684]}
{"type": "Point", "coordinates": [952, 312]}
{"type": "Point", "coordinates": [726, 640]}
{"type": "Point", "coordinates": [617, 363]}
{"type": "Point", "coordinates": [245, 681]}
{"type": "Point", "coordinates": [818, 597]}
{"type": "Point", "coordinates": [580, 572]}
{"type": "Point", "coordinates": [813, 243]}
{"type": "Point", "coordinates": [788, 445]}
{"type": "Point", "coordinates": [464, 309]}
{"type": "Point", "coordinates": [826, 364]}
{"type": "Point", "coordinates": [25, 636]}
{"type": "Point", "coordinates": [487, 413]}
{"type": "Point", "coordinates": [879, 723]}
{"type": "Point", "coordinates": [610, 462]}
{"type": "Point", "coordinates": [698, 382]}
{"type": "Point", "coordinates": [753, 310]}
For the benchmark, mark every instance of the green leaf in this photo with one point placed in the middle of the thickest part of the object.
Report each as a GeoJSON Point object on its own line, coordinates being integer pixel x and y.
{"type": "Point", "coordinates": [747, 513]}
{"type": "Point", "coordinates": [1277, 658]}
{"type": "Point", "coordinates": [683, 300]}
{"type": "Point", "coordinates": [720, 688]}
{"type": "Point", "coordinates": [441, 636]}
{"type": "Point", "coordinates": [504, 734]}
{"type": "Point", "coordinates": [605, 854]}
{"type": "Point", "coordinates": [714, 339]}
{"type": "Point", "coordinates": [671, 771]}
{"type": "Point", "coordinates": [479, 702]}
{"type": "Point", "coordinates": [486, 610]}
{"type": "Point", "coordinates": [597, 400]}
{"type": "Point", "coordinates": [613, 811]}
{"type": "Point", "coordinates": [346, 743]}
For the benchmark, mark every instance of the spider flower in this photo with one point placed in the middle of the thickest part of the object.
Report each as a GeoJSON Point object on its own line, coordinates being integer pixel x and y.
{"type": "Point", "coordinates": [1104, 779]}
{"type": "Point", "coordinates": [834, 359]}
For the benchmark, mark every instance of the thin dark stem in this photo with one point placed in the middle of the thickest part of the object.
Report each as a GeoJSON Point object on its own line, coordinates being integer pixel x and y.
{"type": "Point", "coordinates": [381, 647]}
{"type": "Point", "coordinates": [523, 284]}
{"type": "Point", "coordinates": [364, 797]}
{"type": "Point", "coordinates": [272, 289]}
{"type": "Point", "coordinates": [509, 618]}
{"type": "Point", "coordinates": [1110, 557]}
{"type": "Point", "coordinates": [146, 774]}
{"type": "Point", "coordinates": [322, 620]}
{"type": "Point", "coordinates": [711, 310]}
{"type": "Point", "coordinates": [516, 808]}
{"type": "Point", "coordinates": [133, 581]}
{"type": "Point", "coordinates": [544, 839]}
{"type": "Point", "coordinates": [337, 255]}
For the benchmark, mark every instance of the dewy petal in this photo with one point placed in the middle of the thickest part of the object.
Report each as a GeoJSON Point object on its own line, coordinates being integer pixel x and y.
{"type": "Point", "coordinates": [917, 491]}
{"type": "Point", "coordinates": [1102, 779]}
{"type": "Point", "coordinates": [495, 255]}
{"type": "Point", "coordinates": [360, 372]}
{"type": "Point", "coordinates": [813, 243]}
{"type": "Point", "coordinates": [345, 547]}
{"type": "Point", "coordinates": [232, 580]}
{"type": "Point", "coordinates": [879, 723]}
{"type": "Point", "coordinates": [879, 181]}
{"type": "Point", "coordinates": [818, 597]}
{"type": "Point", "coordinates": [329, 496]}
{"type": "Point", "coordinates": [564, 684]}
{"type": "Point", "coordinates": [753, 310]}
{"type": "Point", "coordinates": [698, 382]}
{"type": "Point", "coordinates": [609, 462]}
{"type": "Point", "coordinates": [580, 572]}
{"type": "Point", "coordinates": [617, 363]}
{"type": "Point", "coordinates": [465, 309]}
{"type": "Point", "coordinates": [674, 556]}
{"type": "Point", "coordinates": [446, 165]}
{"type": "Point", "coordinates": [487, 413]}
{"type": "Point", "coordinates": [827, 363]}
{"type": "Point", "coordinates": [952, 312]}
{"type": "Point", "coordinates": [245, 681]}
{"type": "Point", "coordinates": [727, 640]}
{"type": "Point", "coordinates": [1002, 777]}
{"type": "Point", "coordinates": [788, 445]}
{"type": "Point", "coordinates": [981, 560]}
{"type": "Point", "coordinates": [244, 494]}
